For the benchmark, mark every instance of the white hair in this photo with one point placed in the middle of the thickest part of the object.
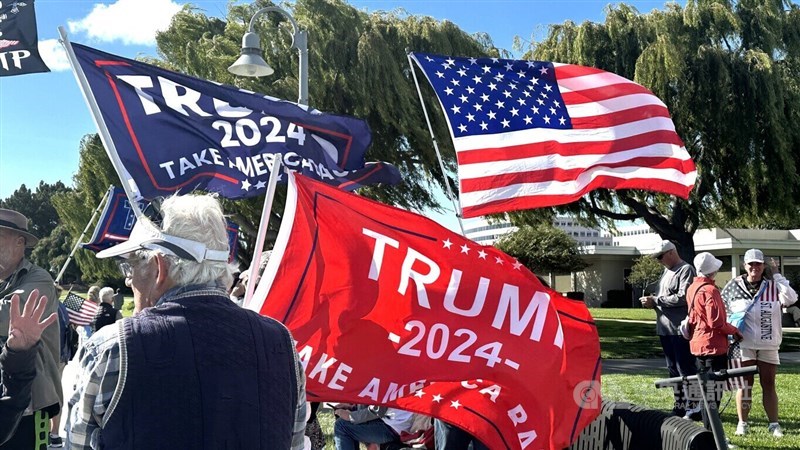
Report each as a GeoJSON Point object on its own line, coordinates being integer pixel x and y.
{"type": "Point", "coordinates": [199, 218]}
{"type": "Point", "coordinates": [107, 295]}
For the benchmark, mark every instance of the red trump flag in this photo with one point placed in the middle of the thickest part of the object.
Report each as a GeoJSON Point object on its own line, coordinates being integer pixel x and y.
{"type": "Point", "coordinates": [390, 308]}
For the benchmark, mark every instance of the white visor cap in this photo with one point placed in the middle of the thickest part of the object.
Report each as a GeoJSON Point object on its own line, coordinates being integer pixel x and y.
{"type": "Point", "coordinates": [145, 236]}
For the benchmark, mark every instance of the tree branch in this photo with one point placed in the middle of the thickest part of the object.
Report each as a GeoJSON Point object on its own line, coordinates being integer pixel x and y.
{"type": "Point", "coordinates": [594, 209]}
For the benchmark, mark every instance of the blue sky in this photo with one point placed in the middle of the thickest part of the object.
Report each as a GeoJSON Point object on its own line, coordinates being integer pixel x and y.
{"type": "Point", "coordinates": [44, 116]}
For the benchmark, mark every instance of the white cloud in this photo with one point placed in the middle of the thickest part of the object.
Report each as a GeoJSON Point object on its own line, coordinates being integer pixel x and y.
{"type": "Point", "coordinates": [128, 21]}
{"type": "Point", "coordinates": [54, 55]}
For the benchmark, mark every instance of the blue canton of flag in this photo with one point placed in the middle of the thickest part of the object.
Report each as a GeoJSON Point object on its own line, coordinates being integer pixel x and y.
{"type": "Point", "coordinates": [493, 95]}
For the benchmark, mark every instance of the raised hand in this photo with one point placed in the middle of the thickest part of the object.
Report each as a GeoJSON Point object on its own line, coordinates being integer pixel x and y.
{"type": "Point", "coordinates": [25, 329]}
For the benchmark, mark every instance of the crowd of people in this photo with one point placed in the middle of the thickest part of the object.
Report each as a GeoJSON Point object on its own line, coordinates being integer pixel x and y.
{"type": "Point", "coordinates": [703, 328]}
{"type": "Point", "coordinates": [207, 364]}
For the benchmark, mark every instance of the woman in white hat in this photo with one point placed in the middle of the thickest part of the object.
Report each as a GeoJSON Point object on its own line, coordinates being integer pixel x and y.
{"type": "Point", "coordinates": [753, 302]}
{"type": "Point", "coordinates": [708, 322]}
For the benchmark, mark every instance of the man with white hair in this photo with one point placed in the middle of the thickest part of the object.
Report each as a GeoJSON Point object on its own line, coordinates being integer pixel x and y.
{"type": "Point", "coordinates": [190, 369]}
{"type": "Point", "coordinates": [106, 313]}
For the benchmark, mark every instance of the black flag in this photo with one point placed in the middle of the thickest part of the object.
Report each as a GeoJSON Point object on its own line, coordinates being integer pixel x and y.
{"type": "Point", "coordinates": [19, 43]}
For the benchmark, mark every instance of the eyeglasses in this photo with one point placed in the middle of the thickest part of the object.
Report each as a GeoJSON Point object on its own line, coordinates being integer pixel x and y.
{"type": "Point", "coordinates": [661, 256]}
{"type": "Point", "coordinates": [126, 268]}
{"type": "Point", "coordinates": [126, 265]}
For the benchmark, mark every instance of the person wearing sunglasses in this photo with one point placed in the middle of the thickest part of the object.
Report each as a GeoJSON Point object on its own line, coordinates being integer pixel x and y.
{"type": "Point", "coordinates": [671, 308]}
{"type": "Point", "coordinates": [190, 369]}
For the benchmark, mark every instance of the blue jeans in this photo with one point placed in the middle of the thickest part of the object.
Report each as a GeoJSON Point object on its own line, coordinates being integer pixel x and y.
{"type": "Point", "coordinates": [680, 363]}
{"type": "Point", "coordinates": [450, 437]}
{"type": "Point", "coordinates": [347, 435]}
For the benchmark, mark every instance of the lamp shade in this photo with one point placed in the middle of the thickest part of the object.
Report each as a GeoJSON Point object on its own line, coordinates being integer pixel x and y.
{"type": "Point", "coordinates": [250, 63]}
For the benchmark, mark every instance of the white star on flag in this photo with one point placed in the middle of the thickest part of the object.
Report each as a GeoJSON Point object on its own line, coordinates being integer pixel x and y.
{"type": "Point", "coordinates": [498, 260]}
{"type": "Point", "coordinates": [517, 265]}
{"type": "Point", "coordinates": [437, 398]}
{"type": "Point", "coordinates": [447, 243]}
{"type": "Point", "coordinates": [482, 254]}
{"type": "Point", "coordinates": [464, 249]}
{"type": "Point", "coordinates": [455, 404]}
{"type": "Point", "coordinates": [245, 185]}
{"type": "Point", "coordinates": [419, 393]}
{"type": "Point", "coordinates": [261, 184]}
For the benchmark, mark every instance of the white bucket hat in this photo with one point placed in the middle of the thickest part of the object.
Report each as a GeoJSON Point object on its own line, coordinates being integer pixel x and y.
{"type": "Point", "coordinates": [705, 263]}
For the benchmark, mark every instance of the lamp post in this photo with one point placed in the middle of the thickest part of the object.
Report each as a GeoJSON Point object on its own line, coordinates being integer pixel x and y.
{"type": "Point", "coordinates": [251, 64]}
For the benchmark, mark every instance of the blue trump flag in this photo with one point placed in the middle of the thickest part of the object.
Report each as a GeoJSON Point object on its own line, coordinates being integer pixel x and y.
{"type": "Point", "coordinates": [117, 221]}
{"type": "Point", "coordinates": [174, 132]}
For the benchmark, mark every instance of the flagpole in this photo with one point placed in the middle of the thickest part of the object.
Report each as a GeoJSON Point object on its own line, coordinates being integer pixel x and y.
{"type": "Point", "coordinates": [436, 147]}
{"type": "Point", "coordinates": [105, 135]}
{"type": "Point", "coordinates": [80, 238]}
{"type": "Point", "coordinates": [266, 211]}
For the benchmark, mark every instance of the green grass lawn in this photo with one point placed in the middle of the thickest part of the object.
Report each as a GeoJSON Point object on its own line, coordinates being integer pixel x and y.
{"type": "Point", "coordinates": [623, 313]}
{"type": "Point", "coordinates": [639, 389]}
{"type": "Point", "coordinates": [620, 340]}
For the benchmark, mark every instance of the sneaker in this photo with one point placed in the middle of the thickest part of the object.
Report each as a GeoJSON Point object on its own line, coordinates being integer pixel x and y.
{"type": "Point", "coordinates": [742, 429]}
{"type": "Point", "coordinates": [693, 414]}
{"type": "Point", "coordinates": [775, 430]}
{"type": "Point", "coordinates": [56, 441]}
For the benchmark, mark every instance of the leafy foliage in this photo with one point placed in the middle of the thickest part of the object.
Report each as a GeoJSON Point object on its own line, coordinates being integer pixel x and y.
{"type": "Point", "coordinates": [357, 66]}
{"type": "Point", "coordinates": [728, 71]}
{"type": "Point", "coordinates": [543, 249]}
{"type": "Point", "coordinates": [52, 251]}
{"type": "Point", "coordinates": [42, 221]}
{"type": "Point", "coordinates": [36, 206]}
{"type": "Point", "coordinates": [646, 271]}
{"type": "Point", "coordinates": [75, 207]}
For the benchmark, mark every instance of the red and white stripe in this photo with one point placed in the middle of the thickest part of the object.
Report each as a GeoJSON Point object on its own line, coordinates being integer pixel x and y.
{"type": "Point", "coordinates": [622, 138]}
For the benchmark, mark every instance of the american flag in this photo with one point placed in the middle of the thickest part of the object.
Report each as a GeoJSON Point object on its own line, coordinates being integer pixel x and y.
{"type": "Point", "coordinates": [530, 134]}
{"type": "Point", "coordinates": [80, 310]}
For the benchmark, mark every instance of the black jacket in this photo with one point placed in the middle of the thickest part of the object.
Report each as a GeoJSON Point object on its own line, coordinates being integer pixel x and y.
{"type": "Point", "coordinates": [17, 372]}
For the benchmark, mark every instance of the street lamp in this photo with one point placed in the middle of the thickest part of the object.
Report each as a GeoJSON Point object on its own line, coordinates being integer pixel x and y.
{"type": "Point", "coordinates": [251, 64]}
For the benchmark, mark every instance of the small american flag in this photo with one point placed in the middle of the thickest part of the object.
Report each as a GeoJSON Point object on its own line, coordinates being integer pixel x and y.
{"type": "Point", "coordinates": [80, 310]}
{"type": "Point", "coordinates": [530, 134]}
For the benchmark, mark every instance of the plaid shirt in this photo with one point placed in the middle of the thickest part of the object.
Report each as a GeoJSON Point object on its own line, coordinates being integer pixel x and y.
{"type": "Point", "coordinates": [97, 380]}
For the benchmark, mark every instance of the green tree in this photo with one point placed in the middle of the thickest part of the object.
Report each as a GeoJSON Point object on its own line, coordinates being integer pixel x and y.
{"type": "Point", "coordinates": [357, 66]}
{"type": "Point", "coordinates": [36, 206]}
{"type": "Point", "coordinates": [544, 249]}
{"type": "Point", "coordinates": [52, 251]}
{"type": "Point", "coordinates": [42, 219]}
{"type": "Point", "coordinates": [729, 71]}
{"type": "Point", "coordinates": [95, 173]}
{"type": "Point", "coordinates": [645, 272]}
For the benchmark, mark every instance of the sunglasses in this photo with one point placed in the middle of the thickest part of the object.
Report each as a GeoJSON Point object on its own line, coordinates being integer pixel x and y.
{"type": "Point", "coordinates": [661, 256]}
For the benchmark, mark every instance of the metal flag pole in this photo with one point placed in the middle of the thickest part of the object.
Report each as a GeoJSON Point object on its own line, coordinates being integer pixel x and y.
{"type": "Point", "coordinates": [450, 194]}
{"type": "Point", "coordinates": [80, 238]}
{"type": "Point", "coordinates": [263, 226]}
{"type": "Point", "coordinates": [105, 136]}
